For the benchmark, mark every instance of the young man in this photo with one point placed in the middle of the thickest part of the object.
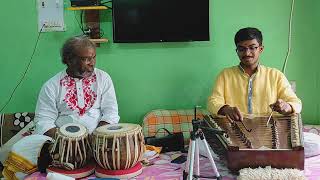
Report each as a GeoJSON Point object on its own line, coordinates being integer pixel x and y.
{"type": "Point", "coordinates": [81, 93]}
{"type": "Point", "coordinates": [251, 88]}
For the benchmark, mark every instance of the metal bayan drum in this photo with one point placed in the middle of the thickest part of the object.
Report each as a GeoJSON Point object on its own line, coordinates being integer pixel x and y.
{"type": "Point", "coordinates": [71, 149]}
{"type": "Point", "coordinates": [118, 146]}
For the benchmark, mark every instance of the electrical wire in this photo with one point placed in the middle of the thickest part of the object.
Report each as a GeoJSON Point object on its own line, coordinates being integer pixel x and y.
{"type": "Point", "coordinates": [109, 7]}
{"type": "Point", "coordinates": [101, 32]}
{"type": "Point", "coordinates": [25, 72]}
{"type": "Point", "coordinates": [81, 20]}
{"type": "Point", "coordinates": [80, 26]}
{"type": "Point", "coordinates": [289, 39]}
{"type": "Point", "coordinates": [103, 4]}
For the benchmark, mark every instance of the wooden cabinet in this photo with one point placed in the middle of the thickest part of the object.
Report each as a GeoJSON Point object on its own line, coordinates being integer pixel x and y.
{"type": "Point", "coordinates": [92, 21]}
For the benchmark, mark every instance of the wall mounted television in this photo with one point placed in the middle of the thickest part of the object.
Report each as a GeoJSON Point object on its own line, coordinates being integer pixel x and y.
{"type": "Point", "coordinates": [136, 21]}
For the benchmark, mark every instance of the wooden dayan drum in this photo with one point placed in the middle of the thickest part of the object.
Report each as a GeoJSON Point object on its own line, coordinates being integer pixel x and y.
{"type": "Point", "coordinates": [118, 146]}
{"type": "Point", "coordinates": [279, 145]}
{"type": "Point", "coordinates": [71, 149]}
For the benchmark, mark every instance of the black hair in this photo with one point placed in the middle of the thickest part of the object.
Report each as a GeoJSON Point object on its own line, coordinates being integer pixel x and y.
{"type": "Point", "coordinates": [248, 33]}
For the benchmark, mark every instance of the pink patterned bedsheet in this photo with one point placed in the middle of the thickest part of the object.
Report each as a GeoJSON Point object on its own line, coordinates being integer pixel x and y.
{"type": "Point", "coordinates": [312, 164]}
{"type": "Point", "coordinates": [162, 169]}
{"type": "Point", "coordinates": [171, 171]}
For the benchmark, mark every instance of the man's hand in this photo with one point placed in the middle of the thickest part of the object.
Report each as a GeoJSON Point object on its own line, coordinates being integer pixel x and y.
{"type": "Point", "coordinates": [102, 123]}
{"type": "Point", "coordinates": [282, 107]}
{"type": "Point", "coordinates": [232, 113]}
{"type": "Point", "coordinates": [51, 132]}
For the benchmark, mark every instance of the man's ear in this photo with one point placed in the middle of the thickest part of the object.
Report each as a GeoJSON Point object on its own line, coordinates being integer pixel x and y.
{"type": "Point", "coordinates": [261, 49]}
{"type": "Point", "coordinates": [71, 62]}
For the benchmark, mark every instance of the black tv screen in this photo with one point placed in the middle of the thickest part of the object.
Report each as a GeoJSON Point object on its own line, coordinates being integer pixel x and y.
{"type": "Point", "coordinates": [160, 20]}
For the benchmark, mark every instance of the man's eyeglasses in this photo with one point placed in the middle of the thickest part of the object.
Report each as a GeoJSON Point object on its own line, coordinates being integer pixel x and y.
{"type": "Point", "coordinates": [87, 59]}
{"type": "Point", "coordinates": [251, 49]}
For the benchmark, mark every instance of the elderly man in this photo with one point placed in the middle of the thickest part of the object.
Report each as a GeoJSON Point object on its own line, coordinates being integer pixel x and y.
{"type": "Point", "coordinates": [80, 93]}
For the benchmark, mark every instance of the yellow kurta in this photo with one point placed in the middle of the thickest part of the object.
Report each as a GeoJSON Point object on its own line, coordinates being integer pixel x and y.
{"type": "Point", "coordinates": [252, 95]}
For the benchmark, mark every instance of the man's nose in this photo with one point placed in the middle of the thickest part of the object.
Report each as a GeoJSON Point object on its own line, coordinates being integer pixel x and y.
{"type": "Point", "coordinates": [247, 51]}
{"type": "Point", "coordinates": [91, 63]}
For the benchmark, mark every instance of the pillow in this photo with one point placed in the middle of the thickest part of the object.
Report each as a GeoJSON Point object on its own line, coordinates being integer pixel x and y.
{"type": "Point", "coordinates": [311, 144]}
{"type": "Point", "coordinates": [175, 121]}
{"type": "Point", "coordinates": [5, 148]}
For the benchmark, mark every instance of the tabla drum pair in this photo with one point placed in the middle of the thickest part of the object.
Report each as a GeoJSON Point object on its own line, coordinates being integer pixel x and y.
{"type": "Point", "coordinates": [117, 149]}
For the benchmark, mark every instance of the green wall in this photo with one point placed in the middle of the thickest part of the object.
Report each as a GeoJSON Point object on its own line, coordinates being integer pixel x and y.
{"type": "Point", "coordinates": [305, 60]}
{"type": "Point", "coordinates": [164, 75]}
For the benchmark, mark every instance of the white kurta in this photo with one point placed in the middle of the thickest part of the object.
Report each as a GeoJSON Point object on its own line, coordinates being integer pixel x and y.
{"type": "Point", "coordinates": [87, 101]}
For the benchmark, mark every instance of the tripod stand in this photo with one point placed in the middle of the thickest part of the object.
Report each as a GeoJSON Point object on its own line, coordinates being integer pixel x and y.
{"type": "Point", "coordinates": [196, 137]}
